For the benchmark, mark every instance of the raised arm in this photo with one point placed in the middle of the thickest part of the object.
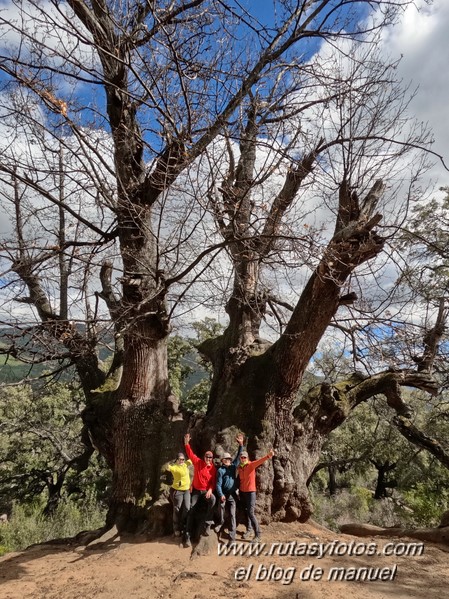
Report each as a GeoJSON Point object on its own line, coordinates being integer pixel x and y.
{"type": "Point", "coordinates": [194, 458]}
{"type": "Point", "coordinates": [240, 439]}
{"type": "Point", "coordinates": [260, 461]}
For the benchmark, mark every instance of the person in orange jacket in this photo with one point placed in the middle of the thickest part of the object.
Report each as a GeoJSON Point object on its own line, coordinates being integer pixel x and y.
{"type": "Point", "coordinates": [247, 477]}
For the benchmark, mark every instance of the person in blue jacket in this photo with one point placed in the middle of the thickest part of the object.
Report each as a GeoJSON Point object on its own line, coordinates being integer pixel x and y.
{"type": "Point", "coordinates": [226, 489]}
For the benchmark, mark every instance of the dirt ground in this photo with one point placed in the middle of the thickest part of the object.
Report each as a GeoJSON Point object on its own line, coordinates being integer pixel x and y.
{"type": "Point", "coordinates": [163, 569]}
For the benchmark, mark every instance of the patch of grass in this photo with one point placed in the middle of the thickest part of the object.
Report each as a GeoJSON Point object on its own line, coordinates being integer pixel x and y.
{"type": "Point", "coordinates": [28, 526]}
{"type": "Point", "coordinates": [346, 506]}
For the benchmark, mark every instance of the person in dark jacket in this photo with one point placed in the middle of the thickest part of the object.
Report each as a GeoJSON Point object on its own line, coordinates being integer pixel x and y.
{"type": "Point", "coordinates": [227, 485]}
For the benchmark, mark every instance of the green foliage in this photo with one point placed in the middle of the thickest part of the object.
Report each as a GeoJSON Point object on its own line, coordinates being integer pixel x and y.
{"type": "Point", "coordinates": [27, 525]}
{"type": "Point", "coordinates": [13, 370]}
{"type": "Point", "coordinates": [186, 366]}
{"type": "Point", "coordinates": [364, 497]}
{"type": "Point", "coordinates": [197, 398]}
{"type": "Point", "coordinates": [426, 504]}
{"type": "Point", "coordinates": [40, 433]}
{"type": "Point", "coordinates": [209, 328]}
{"type": "Point", "coordinates": [40, 438]}
{"type": "Point", "coordinates": [420, 494]}
{"type": "Point", "coordinates": [179, 369]}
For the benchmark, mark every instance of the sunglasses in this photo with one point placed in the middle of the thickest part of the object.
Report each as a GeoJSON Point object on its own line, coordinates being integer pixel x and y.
{"type": "Point", "coordinates": [181, 459]}
{"type": "Point", "coordinates": [208, 457]}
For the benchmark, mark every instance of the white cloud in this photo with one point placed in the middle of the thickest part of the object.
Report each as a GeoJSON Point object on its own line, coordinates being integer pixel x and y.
{"type": "Point", "coordinates": [49, 26]}
{"type": "Point", "coordinates": [422, 40]}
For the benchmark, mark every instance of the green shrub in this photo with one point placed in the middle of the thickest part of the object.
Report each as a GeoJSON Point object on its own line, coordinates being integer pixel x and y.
{"type": "Point", "coordinates": [363, 499]}
{"type": "Point", "coordinates": [419, 506]}
{"type": "Point", "coordinates": [385, 512]}
{"type": "Point", "coordinates": [426, 505]}
{"type": "Point", "coordinates": [28, 526]}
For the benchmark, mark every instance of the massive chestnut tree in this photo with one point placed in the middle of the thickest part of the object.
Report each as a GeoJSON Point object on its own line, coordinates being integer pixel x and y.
{"type": "Point", "coordinates": [149, 149]}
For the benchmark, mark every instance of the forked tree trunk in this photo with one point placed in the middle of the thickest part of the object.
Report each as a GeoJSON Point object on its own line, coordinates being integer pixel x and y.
{"type": "Point", "coordinates": [254, 389]}
{"type": "Point", "coordinates": [295, 428]}
{"type": "Point", "coordinates": [296, 433]}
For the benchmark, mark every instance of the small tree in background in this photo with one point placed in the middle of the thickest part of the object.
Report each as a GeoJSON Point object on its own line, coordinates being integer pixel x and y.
{"type": "Point", "coordinates": [41, 449]}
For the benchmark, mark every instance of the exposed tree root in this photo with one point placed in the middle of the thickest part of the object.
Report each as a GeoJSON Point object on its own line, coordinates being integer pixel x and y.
{"type": "Point", "coordinates": [83, 538]}
{"type": "Point", "coordinates": [438, 535]}
{"type": "Point", "coordinates": [205, 546]}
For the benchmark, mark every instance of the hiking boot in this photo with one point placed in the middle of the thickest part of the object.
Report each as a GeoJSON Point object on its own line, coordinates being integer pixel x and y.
{"type": "Point", "coordinates": [247, 535]}
{"type": "Point", "coordinates": [217, 529]}
{"type": "Point", "coordinates": [177, 533]}
{"type": "Point", "coordinates": [187, 541]}
{"type": "Point", "coordinates": [256, 539]}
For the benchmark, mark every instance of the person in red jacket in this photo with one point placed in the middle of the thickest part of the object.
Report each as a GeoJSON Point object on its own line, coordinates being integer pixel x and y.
{"type": "Point", "coordinates": [203, 485]}
{"type": "Point", "coordinates": [247, 477]}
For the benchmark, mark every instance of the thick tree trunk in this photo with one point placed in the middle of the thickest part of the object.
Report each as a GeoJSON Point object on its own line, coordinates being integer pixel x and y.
{"type": "Point", "coordinates": [297, 435]}
{"type": "Point", "coordinates": [295, 429]}
{"type": "Point", "coordinates": [383, 482]}
{"type": "Point", "coordinates": [332, 486]}
{"type": "Point", "coordinates": [144, 421]}
{"type": "Point", "coordinates": [255, 389]}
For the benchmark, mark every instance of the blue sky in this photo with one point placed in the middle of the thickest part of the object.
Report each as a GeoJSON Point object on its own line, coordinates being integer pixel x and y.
{"type": "Point", "coordinates": [422, 40]}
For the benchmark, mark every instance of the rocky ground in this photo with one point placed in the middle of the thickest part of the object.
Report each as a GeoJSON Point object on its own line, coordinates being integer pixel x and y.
{"type": "Point", "coordinates": [124, 568]}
